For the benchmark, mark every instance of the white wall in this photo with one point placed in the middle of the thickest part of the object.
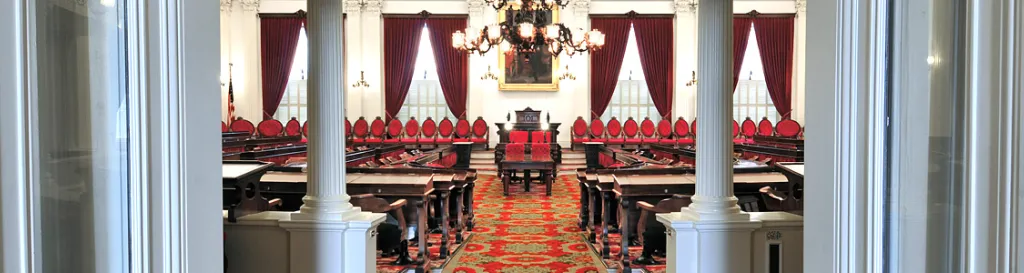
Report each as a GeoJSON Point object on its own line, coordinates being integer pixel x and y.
{"type": "Point", "coordinates": [365, 45]}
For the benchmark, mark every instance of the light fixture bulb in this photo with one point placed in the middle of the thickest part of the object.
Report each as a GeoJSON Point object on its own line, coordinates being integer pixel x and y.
{"type": "Point", "coordinates": [526, 30]}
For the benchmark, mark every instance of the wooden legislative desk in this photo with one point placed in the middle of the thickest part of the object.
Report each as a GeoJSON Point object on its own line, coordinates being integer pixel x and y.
{"type": "Point", "coordinates": [546, 168]}
{"type": "Point", "coordinates": [241, 188]}
{"type": "Point", "coordinates": [241, 144]}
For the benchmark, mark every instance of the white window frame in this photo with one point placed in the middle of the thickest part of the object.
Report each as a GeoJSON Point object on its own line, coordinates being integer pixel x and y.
{"type": "Point", "coordinates": [295, 94]}
{"type": "Point", "coordinates": [418, 102]}
{"type": "Point", "coordinates": [634, 98]}
{"type": "Point", "coordinates": [174, 214]}
{"type": "Point", "coordinates": [751, 98]}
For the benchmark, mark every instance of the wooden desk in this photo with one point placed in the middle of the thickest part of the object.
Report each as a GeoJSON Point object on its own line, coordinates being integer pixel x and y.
{"type": "Point", "coordinates": [794, 171]}
{"type": "Point", "coordinates": [241, 182]}
{"type": "Point", "coordinates": [546, 169]}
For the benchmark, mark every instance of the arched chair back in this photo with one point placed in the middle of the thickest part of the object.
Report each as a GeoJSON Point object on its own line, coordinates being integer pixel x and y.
{"type": "Point", "coordinates": [377, 128]}
{"type": "Point", "coordinates": [445, 130]}
{"type": "Point", "coordinates": [270, 128]}
{"type": "Point", "coordinates": [630, 128]}
{"type": "Point", "coordinates": [427, 131]}
{"type": "Point", "coordinates": [647, 128]}
{"type": "Point", "coordinates": [223, 127]}
{"type": "Point", "coordinates": [361, 128]}
{"type": "Point", "coordinates": [748, 128]}
{"type": "Point", "coordinates": [614, 128]}
{"type": "Point", "coordinates": [579, 128]}
{"type": "Point", "coordinates": [462, 129]}
{"type": "Point", "coordinates": [682, 128]}
{"type": "Point", "coordinates": [348, 128]}
{"type": "Point", "coordinates": [305, 129]}
{"type": "Point", "coordinates": [788, 128]}
{"type": "Point", "coordinates": [242, 125]}
{"type": "Point", "coordinates": [597, 130]}
{"type": "Point", "coordinates": [764, 128]}
{"type": "Point", "coordinates": [515, 151]}
{"type": "Point", "coordinates": [735, 129]}
{"type": "Point", "coordinates": [394, 128]}
{"type": "Point", "coordinates": [693, 127]}
{"type": "Point", "coordinates": [481, 132]}
{"type": "Point", "coordinates": [665, 132]}
{"type": "Point", "coordinates": [293, 128]}
{"type": "Point", "coordinates": [412, 131]}
{"type": "Point", "coordinates": [667, 205]}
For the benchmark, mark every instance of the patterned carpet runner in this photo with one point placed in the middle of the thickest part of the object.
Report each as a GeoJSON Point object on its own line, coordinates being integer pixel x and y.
{"type": "Point", "coordinates": [526, 232]}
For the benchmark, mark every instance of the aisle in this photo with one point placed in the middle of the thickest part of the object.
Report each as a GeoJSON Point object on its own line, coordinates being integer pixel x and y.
{"type": "Point", "coordinates": [526, 232]}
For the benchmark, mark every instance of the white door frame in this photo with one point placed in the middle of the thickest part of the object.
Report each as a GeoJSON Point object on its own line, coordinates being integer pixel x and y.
{"type": "Point", "coordinates": [174, 148]}
{"type": "Point", "coordinates": [843, 221]}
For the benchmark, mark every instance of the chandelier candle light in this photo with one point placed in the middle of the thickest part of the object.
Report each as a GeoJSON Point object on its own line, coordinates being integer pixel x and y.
{"type": "Point", "coordinates": [527, 30]}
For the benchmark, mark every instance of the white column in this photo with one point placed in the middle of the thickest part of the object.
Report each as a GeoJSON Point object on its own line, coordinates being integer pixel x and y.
{"type": "Point", "coordinates": [686, 58]}
{"type": "Point", "coordinates": [714, 199]}
{"type": "Point", "coordinates": [478, 66]}
{"type": "Point", "coordinates": [800, 62]}
{"type": "Point", "coordinates": [325, 191]}
{"type": "Point", "coordinates": [354, 58]}
{"type": "Point", "coordinates": [580, 66]}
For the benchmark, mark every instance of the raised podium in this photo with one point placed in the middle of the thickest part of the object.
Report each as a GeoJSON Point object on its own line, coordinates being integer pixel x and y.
{"type": "Point", "coordinates": [527, 123]}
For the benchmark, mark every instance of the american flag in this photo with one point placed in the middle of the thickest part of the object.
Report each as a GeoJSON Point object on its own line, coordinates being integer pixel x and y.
{"type": "Point", "coordinates": [231, 97]}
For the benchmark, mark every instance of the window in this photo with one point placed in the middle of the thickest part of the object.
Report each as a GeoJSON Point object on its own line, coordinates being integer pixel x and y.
{"type": "Point", "coordinates": [425, 98]}
{"type": "Point", "coordinates": [294, 102]}
{"type": "Point", "coordinates": [631, 98]}
{"type": "Point", "coordinates": [751, 97]}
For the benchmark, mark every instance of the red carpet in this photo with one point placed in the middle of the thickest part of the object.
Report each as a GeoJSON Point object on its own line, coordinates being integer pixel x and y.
{"type": "Point", "coordinates": [526, 232]}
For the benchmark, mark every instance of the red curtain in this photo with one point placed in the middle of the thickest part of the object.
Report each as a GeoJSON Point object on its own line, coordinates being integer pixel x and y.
{"type": "Point", "coordinates": [452, 64]}
{"type": "Point", "coordinates": [654, 40]}
{"type": "Point", "coordinates": [279, 37]}
{"type": "Point", "coordinates": [740, 34]}
{"type": "Point", "coordinates": [775, 43]}
{"type": "Point", "coordinates": [401, 43]}
{"type": "Point", "coordinates": [606, 62]}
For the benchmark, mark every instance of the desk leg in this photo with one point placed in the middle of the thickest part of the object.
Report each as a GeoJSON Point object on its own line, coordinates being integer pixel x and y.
{"type": "Point", "coordinates": [444, 224]}
{"type": "Point", "coordinates": [624, 232]}
{"type": "Point", "coordinates": [459, 220]}
{"type": "Point", "coordinates": [469, 206]}
{"type": "Point", "coordinates": [421, 229]}
{"type": "Point", "coordinates": [526, 179]}
{"type": "Point", "coordinates": [505, 180]}
{"type": "Point", "coordinates": [584, 206]}
{"type": "Point", "coordinates": [595, 214]}
{"type": "Point", "coordinates": [549, 178]}
{"type": "Point", "coordinates": [606, 202]}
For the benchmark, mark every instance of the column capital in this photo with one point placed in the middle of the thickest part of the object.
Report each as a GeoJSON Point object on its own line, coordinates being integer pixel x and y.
{"type": "Point", "coordinates": [353, 6]}
{"type": "Point", "coordinates": [801, 6]}
{"type": "Point", "coordinates": [250, 5]}
{"type": "Point", "coordinates": [685, 6]}
{"type": "Point", "coordinates": [373, 6]}
{"type": "Point", "coordinates": [476, 6]}
{"type": "Point", "coordinates": [225, 5]}
{"type": "Point", "coordinates": [582, 7]}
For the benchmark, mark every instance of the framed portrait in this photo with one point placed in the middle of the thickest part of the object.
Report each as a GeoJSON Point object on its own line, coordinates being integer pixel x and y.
{"type": "Point", "coordinates": [529, 71]}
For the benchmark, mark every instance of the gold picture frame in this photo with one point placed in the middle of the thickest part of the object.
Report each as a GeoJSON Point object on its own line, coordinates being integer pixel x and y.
{"type": "Point", "coordinates": [511, 78]}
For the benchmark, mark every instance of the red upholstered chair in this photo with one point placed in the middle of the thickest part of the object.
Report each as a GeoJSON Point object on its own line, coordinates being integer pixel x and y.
{"type": "Point", "coordinates": [597, 131]}
{"type": "Point", "coordinates": [518, 136]}
{"type": "Point", "coordinates": [682, 132]}
{"type": "Point", "coordinates": [445, 131]}
{"type": "Point", "coordinates": [647, 131]}
{"type": "Point", "coordinates": [412, 132]}
{"type": "Point", "coordinates": [788, 128]}
{"type": "Point", "coordinates": [515, 151]}
{"type": "Point", "coordinates": [693, 128]}
{"type": "Point", "coordinates": [270, 128]}
{"type": "Point", "coordinates": [481, 133]}
{"type": "Point", "coordinates": [462, 130]}
{"type": "Point", "coordinates": [427, 132]}
{"type": "Point", "coordinates": [377, 130]}
{"type": "Point", "coordinates": [305, 129]}
{"type": "Point", "coordinates": [615, 132]}
{"type": "Point", "coordinates": [764, 128]}
{"type": "Point", "coordinates": [540, 137]}
{"type": "Point", "coordinates": [540, 152]}
{"type": "Point", "coordinates": [748, 128]}
{"type": "Point", "coordinates": [665, 132]}
{"type": "Point", "coordinates": [394, 132]}
{"type": "Point", "coordinates": [360, 130]}
{"type": "Point", "coordinates": [242, 125]}
{"type": "Point", "coordinates": [632, 132]}
{"type": "Point", "coordinates": [579, 132]}
{"type": "Point", "coordinates": [223, 127]}
{"type": "Point", "coordinates": [736, 132]}
{"type": "Point", "coordinates": [293, 128]}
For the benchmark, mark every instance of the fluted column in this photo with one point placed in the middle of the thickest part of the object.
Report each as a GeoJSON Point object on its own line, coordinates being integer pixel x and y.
{"type": "Point", "coordinates": [800, 62]}
{"type": "Point", "coordinates": [714, 199]}
{"type": "Point", "coordinates": [325, 191]}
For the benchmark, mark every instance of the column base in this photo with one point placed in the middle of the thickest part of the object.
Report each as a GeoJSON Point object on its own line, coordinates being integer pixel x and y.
{"type": "Point", "coordinates": [734, 245]}
{"type": "Point", "coordinates": [274, 241]}
{"type": "Point", "coordinates": [331, 208]}
{"type": "Point", "coordinates": [715, 209]}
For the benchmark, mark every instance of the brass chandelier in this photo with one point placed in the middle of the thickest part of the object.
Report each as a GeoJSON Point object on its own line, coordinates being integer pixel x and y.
{"type": "Point", "coordinates": [526, 29]}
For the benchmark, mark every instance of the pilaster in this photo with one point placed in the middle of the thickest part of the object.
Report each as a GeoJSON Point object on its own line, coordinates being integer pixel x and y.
{"type": "Point", "coordinates": [800, 62]}
{"type": "Point", "coordinates": [226, 7]}
{"type": "Point", "coordinates": [478, 64]}
{"type": "Point", "coordinates": [714, 199]}
{"type": "Point", "coordinates": [354, 55]}
{"type": "Point", "coordinates": [245, 55]}
{"type": "Point", "coordinates": [372, 55]}
{"type": "Point", "coordinates": [686, 58]}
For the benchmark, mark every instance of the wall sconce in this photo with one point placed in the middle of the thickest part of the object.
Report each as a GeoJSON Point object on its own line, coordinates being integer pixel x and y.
{"type": "Point", "coordinates": [362, 80]}
{"type": "Point", "coordinates": [693, 79]}
{"type": "Point", "coordinates": [489, 75]}
{"type": "Point", "coordinates": [566, 74]}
